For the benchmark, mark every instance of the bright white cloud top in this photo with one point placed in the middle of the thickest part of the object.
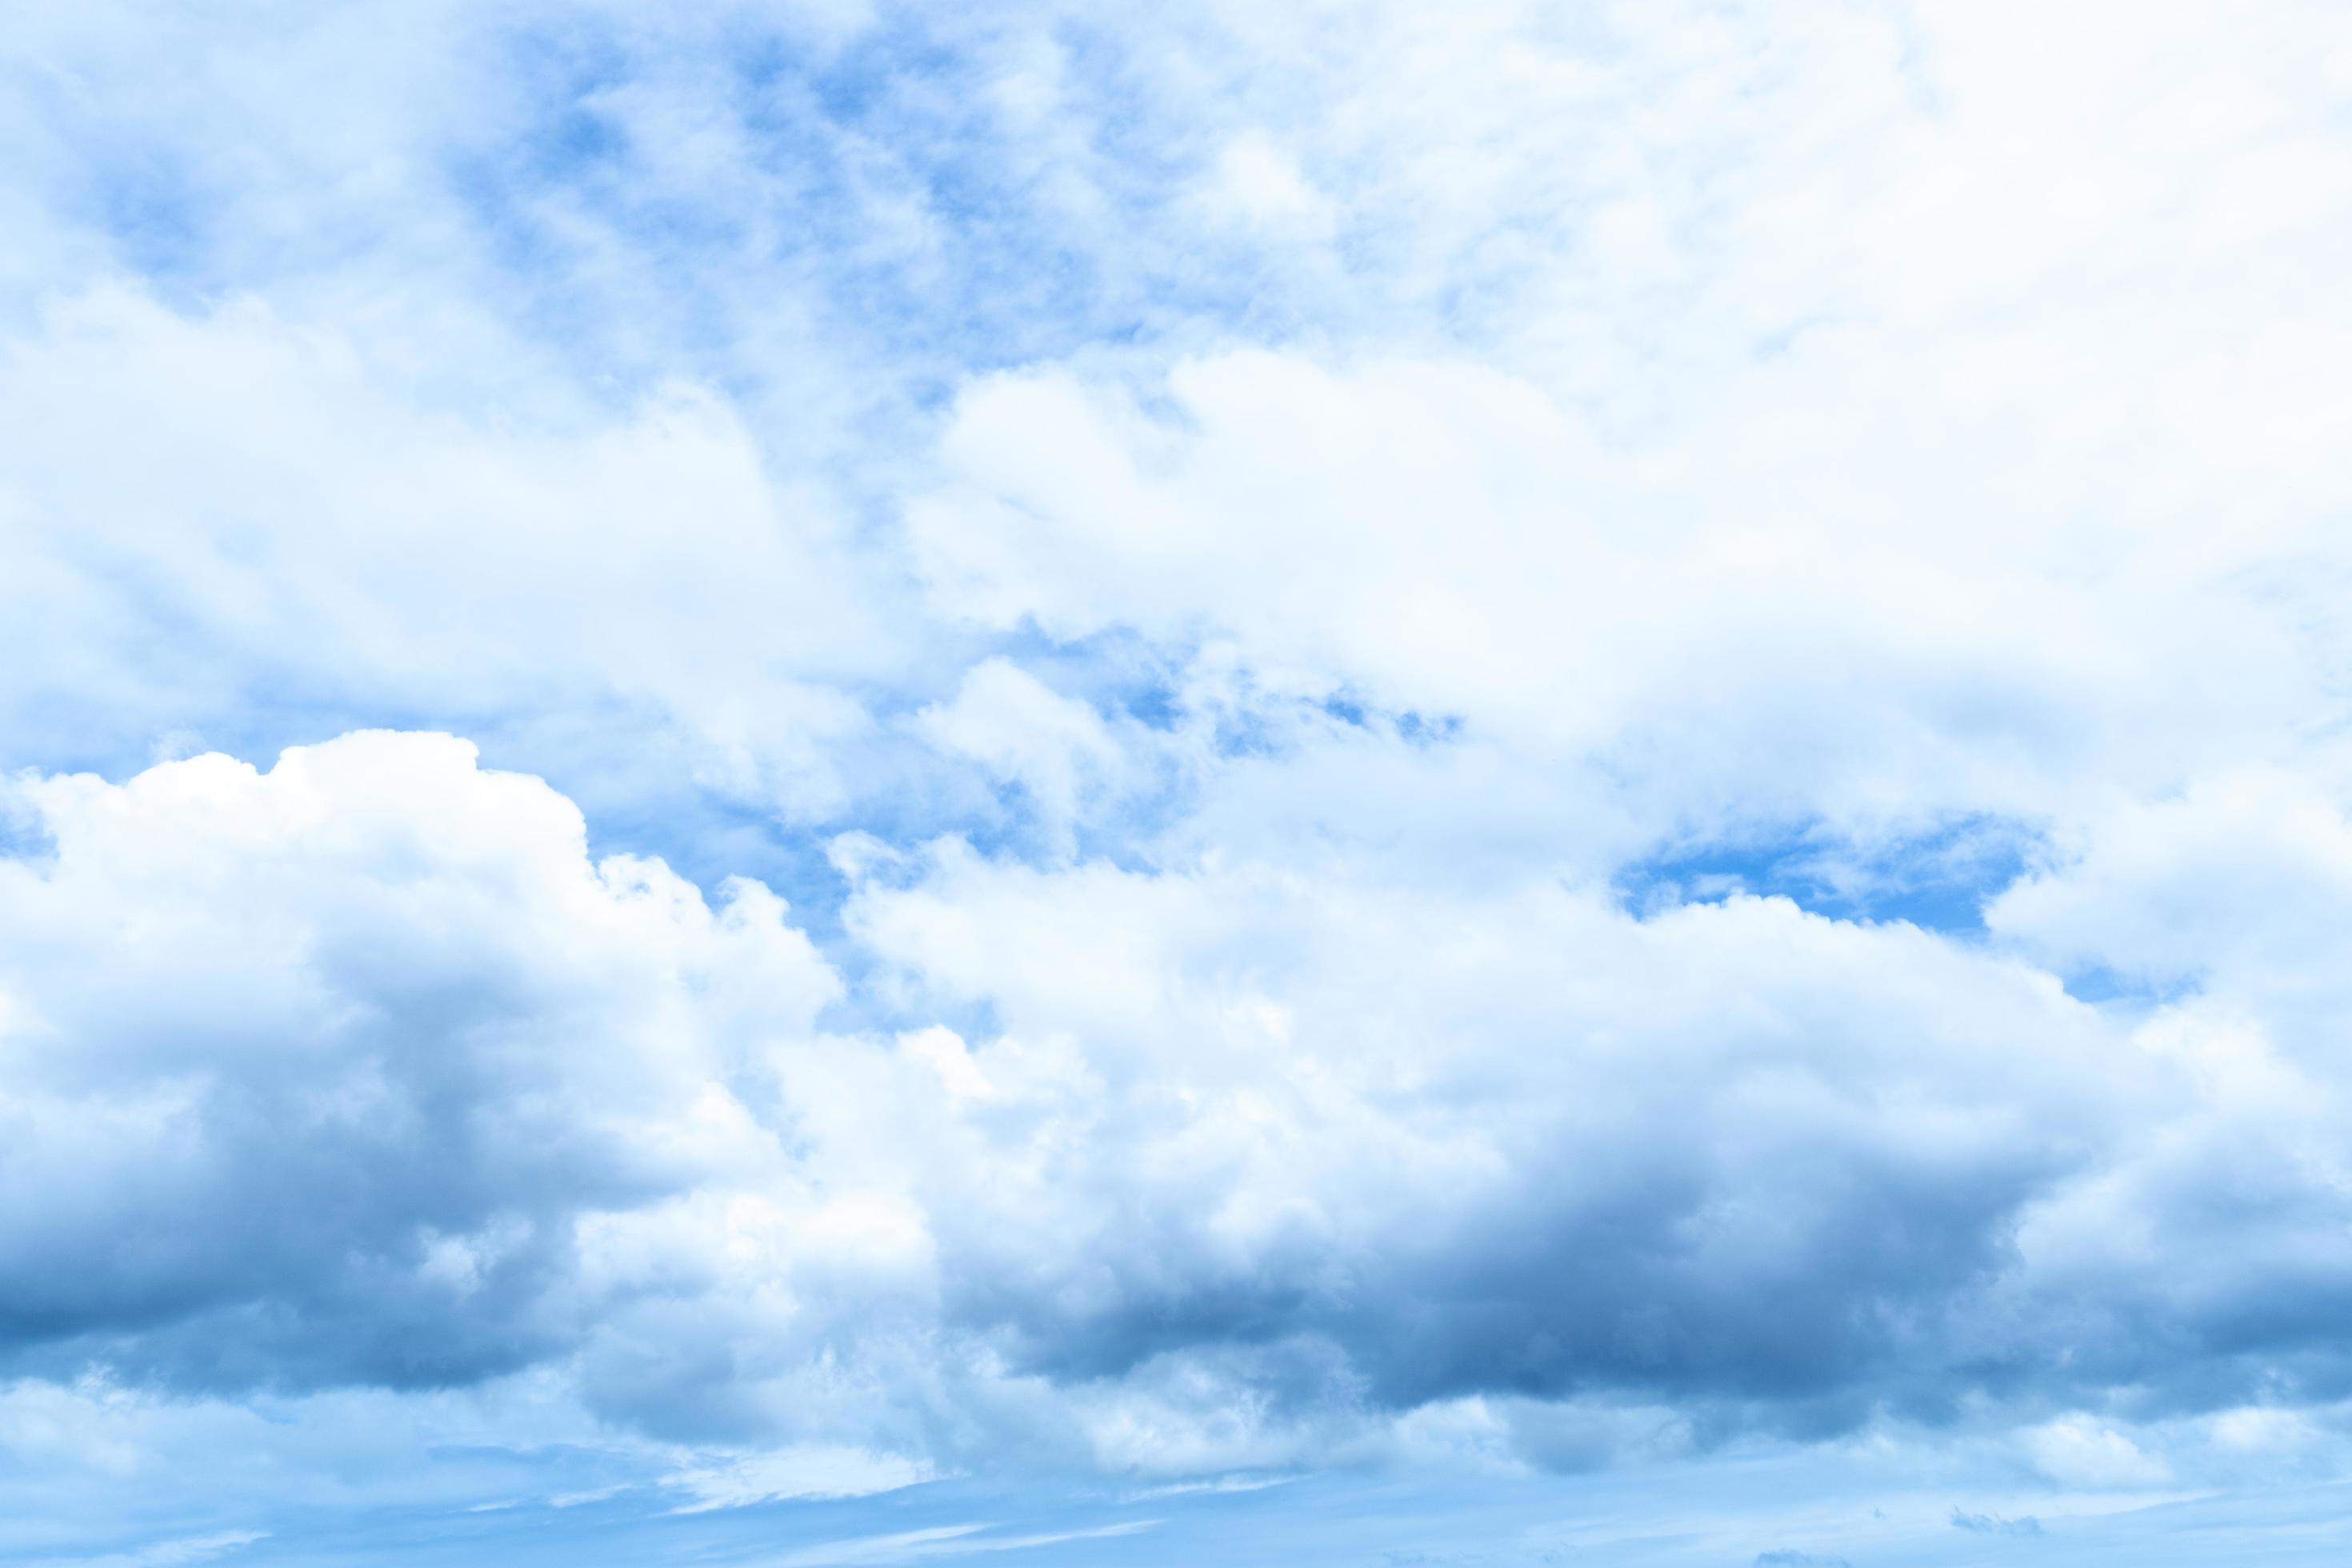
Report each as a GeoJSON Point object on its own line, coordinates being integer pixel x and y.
{"type": "Point", "coordinates": [808, 784]}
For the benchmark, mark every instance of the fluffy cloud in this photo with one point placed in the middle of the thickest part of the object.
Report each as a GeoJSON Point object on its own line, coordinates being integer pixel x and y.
{"type": "Point", "coordinates": [2239, 886]}
{"type": "Point", "coordinates": [1733, 1155]}
{"type": "Point", "coordinates": [318, 1071]}
{"type": "Point", "coordinates": [386, 1083]}
{"type": "Point", "coordinates": [1444, 542]}
{"type": "Point", "coordinates": [254, 496]}
{"type": "Point", "coordinates": [1303, 564]}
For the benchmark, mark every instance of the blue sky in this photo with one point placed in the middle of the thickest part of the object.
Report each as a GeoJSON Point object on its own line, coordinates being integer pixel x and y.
{"type": "Point", "coordinates": [819, 782]}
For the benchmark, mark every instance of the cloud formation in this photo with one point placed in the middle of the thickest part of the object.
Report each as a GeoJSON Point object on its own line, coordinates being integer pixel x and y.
{"type": "Point", "coordinates": [762, 756]}
{"type": "Point", "coordinates": [361, 1072]}
{"type": "Point", "coordinates": [319, 1069]}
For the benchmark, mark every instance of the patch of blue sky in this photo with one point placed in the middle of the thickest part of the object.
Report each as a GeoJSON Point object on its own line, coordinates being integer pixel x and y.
{"type": "Point", "coordinates": [1116, 668]}
{"type": "Point", "coordinates": [2100, 985]}
{"type": "Point", "coordinates": [138, 191]}
{"type": "Point", "coordinates": [708, 838]}
{"type": "Point", "coordinates": [1409, 725]}
{"type": "Point", "coordinates": [879, 177]}
{"type": "Point", "coordinates": [1938, 877]}
{"type": "Point", "coordinates": [1123, 673]}
{"type": "Point", "coordinates": [254, 724]}
{"type": "Point", "coordinates": [151, 208]}
{"type": "Point", "coordinates": [23, 835]}
{"type": "Point", "coordinates": [1154, 704]}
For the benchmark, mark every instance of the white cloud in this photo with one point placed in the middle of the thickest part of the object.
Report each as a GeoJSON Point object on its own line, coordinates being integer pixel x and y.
{"type": "Point", "coordinates": [2078, 1451]}
{"type": "Point", "coordinates": [943, 1541]}
{"type": "Point", "coordinates": [1446, 539]}
{"type": "Point", "coordinates": [800, 1472]}
{"type": "Point", "coordinates": [1328, 499]}
{"type": "Point", "coordinates": [1257, 1162]}
{"type": "Point", "coordinates": [1308, 1104]}
{"type": "Point", "coordinates": [1255, 185]}
{"type": "Point", "coordinates": [1057, 748]}
{"type": "Point", "coordinates": [2241, 884]}
{"type": "Point", "coordinates": [249, 493]}
{"type": "Point", "coordinates": [2251, 1429]}
{"type": "Point", "coordinates": [320, 1066]}
{"type": "Point", "coordinates": [162, 1554]}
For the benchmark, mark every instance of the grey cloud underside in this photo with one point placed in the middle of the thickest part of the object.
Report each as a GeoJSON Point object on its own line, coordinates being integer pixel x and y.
{"type": "Point", "coordinates": [440, 1098]}
{"type": "Point", "coordinates": [1273, 583]}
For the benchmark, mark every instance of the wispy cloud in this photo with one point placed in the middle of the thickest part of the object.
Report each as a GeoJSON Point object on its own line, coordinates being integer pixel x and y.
{"type": "Point", "coordinates": [165, 1553]}
{"type": "Point", "coordinates": [943, 1541]}
{"type": "Point", "coordinates": [809, 1471]}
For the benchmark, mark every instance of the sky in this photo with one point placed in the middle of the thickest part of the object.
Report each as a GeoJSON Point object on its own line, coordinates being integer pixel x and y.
{"type": "Point", "coordinates": [794, 783]}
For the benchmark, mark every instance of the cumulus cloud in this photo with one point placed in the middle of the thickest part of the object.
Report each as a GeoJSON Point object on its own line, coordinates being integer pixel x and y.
{"type": "Point", "coordinates": [2237, 885]}
{"type": "Point", "coordinates": [320, 1069]}
{"type": "Point", "coordinates": [1469, 1181]}
{"type": "Point", "coordinates": [390, 1084]}
{"type": "Point", "coordinates": [1536, 1145]}
{"type": "Point", "coordinates": [1341, 621]}
{"type": "Point", "coordinates": [1447, 541]}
